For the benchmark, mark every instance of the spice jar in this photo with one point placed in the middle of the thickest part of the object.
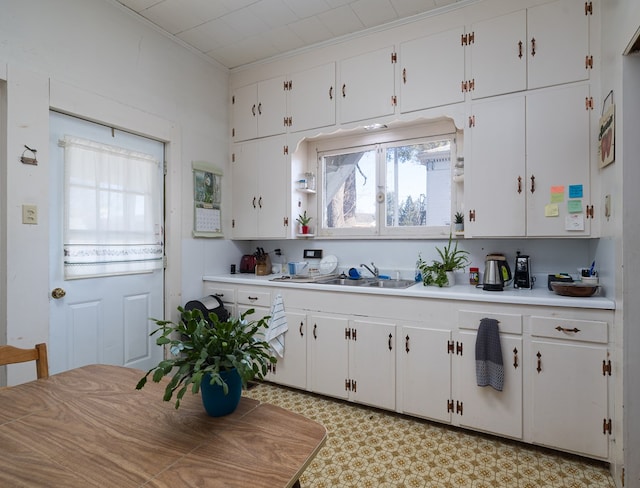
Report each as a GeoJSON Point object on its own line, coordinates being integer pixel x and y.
{"type": "Point", "coordinates": [474, 276]}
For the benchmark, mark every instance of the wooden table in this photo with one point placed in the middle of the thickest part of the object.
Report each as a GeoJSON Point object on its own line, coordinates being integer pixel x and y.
{"type": "Point", "coordinates": [89, 427]}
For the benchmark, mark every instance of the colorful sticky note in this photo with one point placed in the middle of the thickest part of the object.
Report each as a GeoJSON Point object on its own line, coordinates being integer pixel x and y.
{"type": "Point", "coordinates": [574, 206]}
{"type": "Point", "coordinates": [575, 191]}
{"type": "Point", "coordinates": [557, 194]}
{"type": "Point", "coordinates": [557, 197]}
{"type": "Point", "coordinates": [551, 210]}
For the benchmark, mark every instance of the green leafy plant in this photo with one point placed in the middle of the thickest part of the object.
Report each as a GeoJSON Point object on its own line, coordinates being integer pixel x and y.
{"type": "Point", "coordinates": [458, 218]}
{"type": "Point", "coordinates": [304, 219]}
{"type": "Point", "coordinates": [450, 260]}
{"type": "Point", "coordinates": [198, 348]}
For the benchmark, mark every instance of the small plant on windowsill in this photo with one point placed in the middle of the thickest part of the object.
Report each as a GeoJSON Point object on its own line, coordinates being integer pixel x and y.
{"type": "Point", "coordinates": [458, 221]}
{"type": "Point", "coordinates": [440, 272]}
{"type": "Point", "coordinates": [304, 220]}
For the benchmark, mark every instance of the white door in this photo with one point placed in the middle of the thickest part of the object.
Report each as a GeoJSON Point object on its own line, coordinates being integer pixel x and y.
{"type": "Point", "coordinates": [103, 320]}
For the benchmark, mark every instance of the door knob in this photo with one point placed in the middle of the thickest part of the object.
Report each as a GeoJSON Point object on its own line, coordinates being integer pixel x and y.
{"type": "Point", "coordinates": [58, 293]}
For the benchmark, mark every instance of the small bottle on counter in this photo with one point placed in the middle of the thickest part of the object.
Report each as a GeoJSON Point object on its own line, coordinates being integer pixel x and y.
{"type": "Point", "coordinates": [474, 276]}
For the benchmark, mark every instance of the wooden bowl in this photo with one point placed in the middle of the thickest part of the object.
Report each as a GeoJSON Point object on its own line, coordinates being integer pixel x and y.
{"type": "Point", "coordinates": [575, 289]}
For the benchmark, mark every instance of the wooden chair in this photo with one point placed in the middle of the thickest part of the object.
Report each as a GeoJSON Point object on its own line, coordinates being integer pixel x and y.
{"type": "Point", "coordinates": [12, 355]}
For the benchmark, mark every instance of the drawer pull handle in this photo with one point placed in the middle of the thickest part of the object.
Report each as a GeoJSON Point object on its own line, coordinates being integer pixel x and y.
{"type": "Point", "coordinates": [563, 329]}
{"type": "Point", "coordinates": [539, 368]}
{"type": "Point", "coordinates": [252, 298]}
{"type": "Point", "coordinates": [219, 295]}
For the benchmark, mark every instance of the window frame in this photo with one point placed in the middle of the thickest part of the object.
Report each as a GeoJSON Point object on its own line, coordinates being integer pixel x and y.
{"type": "Point", "coordinates": [413, 134]}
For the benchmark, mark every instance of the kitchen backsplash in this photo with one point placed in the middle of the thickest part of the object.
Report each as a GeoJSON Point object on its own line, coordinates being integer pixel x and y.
{"type": "Point", "coordinates": [391, 256]}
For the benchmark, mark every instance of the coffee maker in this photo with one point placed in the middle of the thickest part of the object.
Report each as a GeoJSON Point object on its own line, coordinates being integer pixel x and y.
{"type": "Point", "coordinates": [522, 274]}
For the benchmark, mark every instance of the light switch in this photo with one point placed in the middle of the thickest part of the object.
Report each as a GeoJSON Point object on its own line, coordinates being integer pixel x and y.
{"type": "Point", "coordinates": [29, 214]}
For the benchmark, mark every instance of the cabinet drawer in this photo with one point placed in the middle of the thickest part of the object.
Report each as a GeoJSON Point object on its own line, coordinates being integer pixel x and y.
{"type": "Point", "coordinates": [226, 294]}
{"type": "Point", "coordinates": [254, 297]}
{"type": "Point", "coordinates": [573, 329]}
{"type": "Point", "coordinates": [507, 323]}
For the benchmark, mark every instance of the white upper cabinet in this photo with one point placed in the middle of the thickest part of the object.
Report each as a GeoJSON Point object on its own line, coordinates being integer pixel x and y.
{"type": "Point", "coordinates": [558, 165]}
{"type": "Point", "coordinates": [558, 37]}
{"type": "Point", "coordinates": [495, 169]}
{"type": "Point", "coordinates": [260, 189]}
{"type": "Point", "coordinates": [366, 88]}
{"type": "Point", "coordinates": [499, 55]}
{"type": "Point", "coordinates": [542, 46]}
{"type": "Point", "coordinates": [431, 71]}
{"type": "Point", "coordinates": [312, 98]}
{"type": "Point", "coordinates": [259, 110]}
{"type": "Point", "coordinates": [543, 191]}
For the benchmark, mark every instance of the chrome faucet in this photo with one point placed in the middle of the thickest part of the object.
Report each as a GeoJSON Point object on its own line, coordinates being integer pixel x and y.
{"type": "Point", "coordinates": [373, 271]}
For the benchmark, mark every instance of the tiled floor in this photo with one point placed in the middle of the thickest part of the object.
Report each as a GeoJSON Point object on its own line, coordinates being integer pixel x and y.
{"type": "Point", "coordinates": [369, 448]}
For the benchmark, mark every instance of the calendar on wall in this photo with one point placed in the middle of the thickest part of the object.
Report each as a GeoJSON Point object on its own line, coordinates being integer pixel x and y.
{"type": "Point", "coordinates": [207, 200]}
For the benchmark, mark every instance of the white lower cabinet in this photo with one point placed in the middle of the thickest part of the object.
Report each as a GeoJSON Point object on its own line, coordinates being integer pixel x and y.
{"type": "Point", "coordinates": [425, 372]}
{"type": "Point", "coordinates": [291, 369]}
{"type": "Point", "coordinates": [556, 361]}
{"type": "Point", "coordinates": [353, 359]}
{"type": "Point", "coordinates": [570, 370]}
{"type": "Point", "coordinates": [483, 407]}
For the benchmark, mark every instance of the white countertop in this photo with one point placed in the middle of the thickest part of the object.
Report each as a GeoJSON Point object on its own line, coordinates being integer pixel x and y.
{"type": "Point", "coordinates": [539, 295]}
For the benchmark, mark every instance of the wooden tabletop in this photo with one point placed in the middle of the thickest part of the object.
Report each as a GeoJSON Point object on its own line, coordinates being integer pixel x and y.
{"type": "Point", "coordinates": [89, 427]}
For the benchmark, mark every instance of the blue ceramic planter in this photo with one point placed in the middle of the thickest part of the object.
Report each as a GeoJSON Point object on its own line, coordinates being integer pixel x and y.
{"type": "Point", "coordinates": [215, 402]}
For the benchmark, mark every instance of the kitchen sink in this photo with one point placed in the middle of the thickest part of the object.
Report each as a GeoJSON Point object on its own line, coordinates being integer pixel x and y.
{"type": "Point", "coordinates": [391, 283]}
{"type": "Point", "coordinates": [346, 282]}
{"type": "Point", "coordinates": [369, 282]}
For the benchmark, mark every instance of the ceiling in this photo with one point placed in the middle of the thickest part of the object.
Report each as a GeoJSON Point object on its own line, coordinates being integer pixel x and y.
{"type": "Point", "coordinates": [239, 32]}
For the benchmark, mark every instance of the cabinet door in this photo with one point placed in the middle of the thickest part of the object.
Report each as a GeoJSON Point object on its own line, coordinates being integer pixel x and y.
{"type": "Point", "coordinates": [272, 107]}
{"type": "Point", "coordinates": [367, 86]}
{"type": "Point", "coordinates": [558, 157]}
{"type": "Point", "coordinates": [291, 370]}
{"type": "Point", "coordinates": [244, 112]}
{"type": "Point", "coordinates": [312, 98]}
{"type": "Point", "coordinates": [431, 71]}
{"type": "Point", "coordinates": [426, 372]}
{"type": "Point", "coordinates": [328, 355]}
{"type": "Point", "coordinates": [558, 43]}
{"type": "Point", "coordinates": [569, 397]}
{"type": "Point", "coordinates": [244, 196]}
{"type": "Point", "coordinates": [483, 408]}
{"type": "Point", "coordinates": [270, 167]}
{"type": "Point", "coordinates": [495, 171]}
{"type": "Point", "coordinates": [498, 55]}
{"type": "Point", "coordinates": [372, 361]}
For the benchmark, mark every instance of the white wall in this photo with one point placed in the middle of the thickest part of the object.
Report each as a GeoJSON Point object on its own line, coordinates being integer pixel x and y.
{"type": "Point", "coordinates": [92, 58]}
{"type": "Point", "coordinates": [620, 21]}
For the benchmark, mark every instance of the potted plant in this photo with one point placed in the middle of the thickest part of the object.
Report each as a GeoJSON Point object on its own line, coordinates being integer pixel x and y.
{"type": "Point", "coordinates": [216, 356]}
{"type": "Point", "coordinates": [304, 220]}
{"type": "Point", "coordinates": [458, 221]}
{"type": "Point", "coordinates": [440, 272]}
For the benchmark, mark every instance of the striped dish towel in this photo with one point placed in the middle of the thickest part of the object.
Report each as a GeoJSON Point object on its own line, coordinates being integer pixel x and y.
{"type": "Point", "coordinates": [277, 326]}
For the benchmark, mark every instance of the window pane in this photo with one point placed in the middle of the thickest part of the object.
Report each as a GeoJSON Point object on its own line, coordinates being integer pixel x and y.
{"type": "Point", "coordinates": [418, 184]}
{"type": "Point", "coordinates": [349, 181]}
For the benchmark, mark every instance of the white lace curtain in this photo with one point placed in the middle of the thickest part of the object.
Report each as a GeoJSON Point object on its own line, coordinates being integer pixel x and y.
{"type": "Point", "coordinates": [112, 210]}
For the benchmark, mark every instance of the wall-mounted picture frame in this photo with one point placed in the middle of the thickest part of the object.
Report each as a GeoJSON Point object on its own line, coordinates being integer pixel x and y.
{"type": "Point", "coordinates": [207, 200]}
{"type": "Point", "coordinates": [607, 137]}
